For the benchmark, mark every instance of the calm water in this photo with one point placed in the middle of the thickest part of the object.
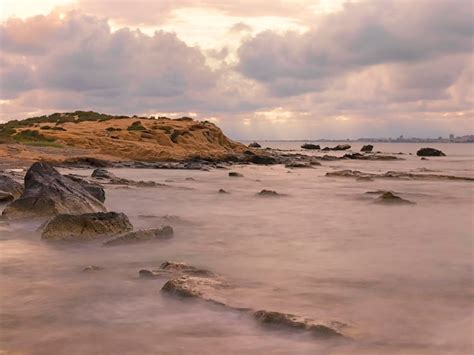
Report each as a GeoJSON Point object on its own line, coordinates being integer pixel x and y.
{"type": "Point", "coordinates": [401, 275]}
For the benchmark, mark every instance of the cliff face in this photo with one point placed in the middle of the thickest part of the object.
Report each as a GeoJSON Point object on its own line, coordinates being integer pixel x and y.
{"type": "Point", "coordinates": [119, 137]}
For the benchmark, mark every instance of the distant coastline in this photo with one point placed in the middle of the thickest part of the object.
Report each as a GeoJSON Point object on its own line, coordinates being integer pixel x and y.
{"type": "Point", "coordinates": [460, 139]}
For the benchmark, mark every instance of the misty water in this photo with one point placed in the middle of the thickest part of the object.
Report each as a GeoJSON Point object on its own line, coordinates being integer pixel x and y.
{"type": "Point", "coordinates": [401, 276]}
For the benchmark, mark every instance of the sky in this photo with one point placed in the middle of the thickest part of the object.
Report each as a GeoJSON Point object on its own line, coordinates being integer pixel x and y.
{"type": "Point", "coordinates": [280, 69]}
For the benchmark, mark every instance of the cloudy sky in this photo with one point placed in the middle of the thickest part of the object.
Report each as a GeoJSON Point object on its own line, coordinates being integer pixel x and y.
{"type": "Point", "coordinates": [260, 69]}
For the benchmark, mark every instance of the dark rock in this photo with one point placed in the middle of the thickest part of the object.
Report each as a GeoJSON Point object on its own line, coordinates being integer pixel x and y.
{"type": "Point", "coordinates": [254, 145]}
{"type": "Point", "coordinates": [222, 191]}
{"type": "Point", "coordinates": [48, 193]}
{"type": "Point", "coordinates": [388, 198]}
{"type": "Point", "coordinates": [293, 322]}
{"type": "Point", "coordinates": [326, 149]}
{"type": "Point", "coordinates": [101, 173]}
{"type": "Point", "coordinates": [95, 189]}
{"type": "Point", "coordinates": [235, 174]}
{"type": "Point", "coordinates": [329, 158]}
{"type": "Point", "coordinates": [86, 226]}
{"type": "Point", "coordinates": [298, 164]}
{"type": "Point", "coordinates": [6, 197]}
{"type": "Point", "coordinates": [144, 235]}
{"type": "Point", "coordinates": [262, 159]}
{"type": "Point", "coordinates": [92, 268]}
{"type": "Point", "coordinates": [367, 148]}
{"type": "Point", "coordinates": [370, 157]}
{"type": "Point", "coordinates": [430, 152]}
{"type": "Point", "coordinates": [397, 175]}
{"type": "Point", "coordinates": [423, 158]}
{"type": "Point", "coordinates": [86, 162]}
{"type": "Point", "coordinates": [311, 146]}
{"type": "Point", "coordinates": [342, 147]}
{"type": "Point", "coordinates": [268, 193]}
{"type": "Point", "coordinates": [9, 188]}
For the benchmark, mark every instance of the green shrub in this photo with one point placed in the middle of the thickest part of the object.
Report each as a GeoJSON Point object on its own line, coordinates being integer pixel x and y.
{"type": "Point", "coordinates": [113, 129]}
{"type": "Point", "coordinates": [136, 126]}
{"type": "Point", "coordinates": [31, 136]}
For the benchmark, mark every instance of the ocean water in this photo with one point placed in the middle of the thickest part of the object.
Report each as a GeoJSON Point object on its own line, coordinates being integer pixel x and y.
{"type": "Point", "coordinates": [401, 276]}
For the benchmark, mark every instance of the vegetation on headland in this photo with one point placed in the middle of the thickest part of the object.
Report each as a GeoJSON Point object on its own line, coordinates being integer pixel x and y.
{"type": "Point", "coordinates": [112, 137]}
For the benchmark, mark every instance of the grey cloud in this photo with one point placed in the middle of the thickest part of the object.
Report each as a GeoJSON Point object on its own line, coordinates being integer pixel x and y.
{"type": "Point", "coordinates": [360, 36]}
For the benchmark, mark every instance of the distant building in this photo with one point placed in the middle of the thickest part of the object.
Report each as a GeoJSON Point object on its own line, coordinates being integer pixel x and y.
{"type": "Point", "coordinates": [451, 137]}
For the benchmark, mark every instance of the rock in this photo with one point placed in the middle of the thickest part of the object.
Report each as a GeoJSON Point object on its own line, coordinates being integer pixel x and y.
{"type": "Point", "coordinates": [370, 157]}
{"type": "Point", "coordinates": [298, 164]}
{"type": "Point", "coordinates": [367, 148]}
{"type": "Point", "coordinates": [235, 174]}
{"type": "Point", "coordinates": [262, 159]}
{"type": "Point", "coordinates": [388, 198]}
{"type": "Point", "coordinates": [86, 226]}
{"type": "Point", "coordinates": [397, 175]}
{"type": "Point", "coordinates": [423, 158]}
{"type": "Point", "coordinates": [268, 193]}
{"type": "Point", "coordinates": [10, 187]}
{"type": "Point", "coordinates": [293, 322]}
{"type": "Point", "coordinates": [101, 173]}
{"type": "Point", "coordinates": [329, 158]}
{"type": "Point", "coordinates": [92, 268]}
{"type": "Point", "coordinates": [86, 162]}
{"type": "Point", "coordinates": [364, 179]}
{"type": "Point", "coordinates": [311, 146]}
{"type": "Point", "coordinates": [175, 268]}
{"type": "Point", "coordinates": [342, 147]}
{"type": "Point", "coordinates": [6, 197]}
{"type": "Point", "coordinates": [326, 149]}
{"type": "Point", "coordinates": [95, 189]}
{"type": "Point", "coordinates": [222, 191]}
{"type": "Point", "coordinates": [165, 232]}
{"type": "Point", "coordinates": [430, 152]}
{"type": "Point", "coordinates": [48, 193]}
{"type": "Point", "coordinates": [194, 287]}
{"type": "Point", "coordinates": [254, 145]}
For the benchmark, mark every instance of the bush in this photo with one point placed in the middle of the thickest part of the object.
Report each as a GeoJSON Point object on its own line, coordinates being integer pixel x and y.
{"type": "Point", "coordinates": [136, 126]}
{"type": "Point", "coordinates": [113, 129]}
{"type": "Point", "coordinates": [31, 136]}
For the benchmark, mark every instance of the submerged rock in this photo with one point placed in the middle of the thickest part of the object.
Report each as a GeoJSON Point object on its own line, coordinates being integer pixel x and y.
{"type": "Point", "coordinates": [268, 193]}
{"type": "Point", "coordinates": [293, 322]}
{"type": "Point", "coordinates": [364, 179]}
{"type": "Point", "coordinates": [92, 268]}
{"type": "Point", "coordinates": [298, 164]}
{"type": "Point", "coordinates": [101, 173]}
{"type": "Point", "coordinates": [222, 191]}
{"type": "Point", "coordinates": [367, 148]}
{"type": "Point", "coordinates": [235, 174]}
{"type": "Point", "coordinates": [389, 198]}
{"type": "Point", "coordinates": [396, 175]}
{"type": "Point", "coordinates": [194, 287]}
{"type": "Point", "coordinates": [311, 146]}
{"type": "Point", "coordinates": [430, 152]}
{"type": "Point", "coordinates": [48, 193]}
{"type": "Point", "coordinates": [370, 157]}
{"type": "Point", "coordinates": [86, 226]}
{"type": "Point", "coordinates": [254, 145]}
{"type": "Point", "coordinates": [165, 232]}
{"type": "Point", "coordinates": [175, 268]}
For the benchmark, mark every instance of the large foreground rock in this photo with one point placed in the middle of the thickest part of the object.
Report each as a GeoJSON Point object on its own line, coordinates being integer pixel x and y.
{"type": "Point", "coordinates": [94, 188]}
{"type": "Point", "coordinates": [165, 232]}
{"type": "Point", "coordinates": [86, 226]}
{"type": "Point", "coordinates": [48, 193]}
{"type": "Point", "coordinates": [214, 288]}
{"type": "Point", "coordinates": [9, 188]}
{"type": "Point", "coordinates": [430, 152]}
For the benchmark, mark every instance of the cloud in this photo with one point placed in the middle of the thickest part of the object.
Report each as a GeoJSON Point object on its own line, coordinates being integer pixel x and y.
{"type": "Point", "coordinates": [362, 35]}
{"type": "Point", "coordinates": [81, 55]}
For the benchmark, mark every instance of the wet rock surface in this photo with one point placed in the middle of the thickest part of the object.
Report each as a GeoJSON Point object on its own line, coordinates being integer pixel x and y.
{"type": "Point", "coordinates": [88, 226]}
{"type": "Point", "coordinates": [48, 193]}
{"type": "Point", "coordinates": [430, 152]}
{"type": "Point", "coordinates": [144, 235]}
{"type": "Point", "coordinates": [94, 188]}
{"type": "Point", "coordinates": [367, 148]}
